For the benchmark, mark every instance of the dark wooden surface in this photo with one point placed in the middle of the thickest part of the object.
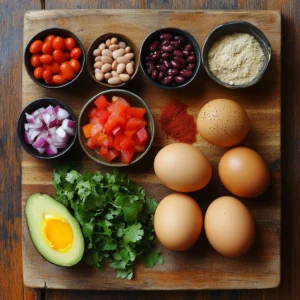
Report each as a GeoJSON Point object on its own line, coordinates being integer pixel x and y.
{"type": "Point", "coordinates": [11, 20]}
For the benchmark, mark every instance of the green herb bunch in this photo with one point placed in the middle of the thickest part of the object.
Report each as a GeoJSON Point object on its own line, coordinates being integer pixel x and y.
{"type": "Point", "coordinates": [115, 216]}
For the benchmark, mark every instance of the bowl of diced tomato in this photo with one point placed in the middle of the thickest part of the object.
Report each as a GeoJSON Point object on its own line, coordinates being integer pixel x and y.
{"type": "Point", "coordinates": [116, 128]}
{"type": "Point", "coordinates": [54, 58]}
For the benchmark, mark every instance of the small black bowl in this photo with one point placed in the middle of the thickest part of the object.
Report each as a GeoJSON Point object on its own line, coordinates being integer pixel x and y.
{"type": "Point", "coordinates": [64, 33]}
{"type": "Point", "coordinates": [155, 36]}
{"type": "Point", "coordinates": [30, 108]}
{"type": "Point", "coordinates": [230, 28]}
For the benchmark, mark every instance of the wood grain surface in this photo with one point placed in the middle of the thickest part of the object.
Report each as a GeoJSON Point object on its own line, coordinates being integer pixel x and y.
{"type": "Point", "coordinates": [11, 16]}
{"type": "Point", "coordinates": [201, 267]}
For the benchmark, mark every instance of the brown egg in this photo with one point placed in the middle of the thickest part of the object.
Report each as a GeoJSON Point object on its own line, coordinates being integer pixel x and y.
{"type": "Point", "coordinates": [178, 222]}
{"type": "Point", "coordinates": [223, 123]}
{"type": "Point", "coordinates": [182, 167]}
{"type": "Point", "coordinates": [229, 226]}
{"type": "Point", "coordinates": [244, 172]}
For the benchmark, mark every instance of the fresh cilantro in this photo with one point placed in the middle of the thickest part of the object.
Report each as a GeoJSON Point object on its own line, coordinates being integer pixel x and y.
{"type": "Point", "coordinates": [115, 216]}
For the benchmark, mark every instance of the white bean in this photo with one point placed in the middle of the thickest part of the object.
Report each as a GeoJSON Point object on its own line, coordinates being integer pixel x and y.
{"type": "Point", "coordinates": [114, 65]}
{"type": "Point", "coordinates": [106, 68]}
{"type": "Point", "coordinates": [121, 68]}
{"type": "Point", "coordinates": [114, 40]}
{"type": "Point", "coordinates": [98, 65]}
{"type": "Point", "coordinates": [130, 55]}
{"type": "Point", "coordinates": [118, 53]}
{"type": "Point", "coordinates": [99, 76]}
{"type": "Point", "coordinates": [96, 52]}
{"type": "Point", "coordinates": [106, 52]}
{"type": "Point", "coordinates": [106, 59]}
{"type": "Point", "coordinates": [97, 70]}
{"type": "Point", "coordinates": [124, 77]}
{"type": "Point", "coordinates": [102, 46]}
{"type": "Point", "coordinates": [108, 43]}
{"type": "Point", "coordinates": [123, 60]}
{"type": "Point", "coordinates": [130, 68]}
{"type": "Point", "coordinates": [113, 47]}
{"type": "Point", "coordinates": [127, 49]}
{"type": "Point", "coordinates": [107, 75]}
{"type": "Point", "coordinates": [114, 74]}
{"type": "Point", "coordinates": [122, 45]}
{"type": "Point", "coordinates": [114, 80]}
{"type": "Point", "coordinates": [98, 58]}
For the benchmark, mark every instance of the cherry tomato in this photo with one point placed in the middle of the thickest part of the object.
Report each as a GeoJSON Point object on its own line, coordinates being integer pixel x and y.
{"type": "Point", "coordinates": [59, 79]}
{"type": "Point", "coordinates": [58, 43]}
{"type": "Point", "coordinates": [76, 53]}
{"type": "Point", "coordinates": [36, 47]}
{"type": "Point", "coordinates": [54, 67]}
{"type": "Point", "coordinates": [59, 56]}
{"type": "Point", "coordinates": [67, 55]}
{"type": "Point", "coordinates": [38, 72]}
{"type": "Point", "coordinates": [67, 71]}
{"type": "Point", "coordinates": [47, 75]}
{"type": "Point", "coordinates": [75, 64]}
{"type": "Point", "coordinates": [70, 44]}
{"type": "Point", "coordinates": [35, 60]}
{"type": "Point", "coordinates": [49, 38]}
{"type": "Point", "coordinates": [47, 48]}
{"type": "Point", "coordinates": [46, 59]}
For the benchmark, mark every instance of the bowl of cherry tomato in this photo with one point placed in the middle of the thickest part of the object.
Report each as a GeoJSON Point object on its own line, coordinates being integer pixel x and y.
{"type": "Point", "coordinates": [54, 58]}
{"type": "Point", "coordinates": [116, 128]}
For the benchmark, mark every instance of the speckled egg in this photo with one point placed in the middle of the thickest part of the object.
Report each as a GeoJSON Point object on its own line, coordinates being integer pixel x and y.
{"type": "Point", "coordinates": [223, 123]}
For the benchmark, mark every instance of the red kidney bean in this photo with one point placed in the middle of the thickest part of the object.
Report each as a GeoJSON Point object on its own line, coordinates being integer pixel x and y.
{"type": "Point", "coordinates": [179, 79]}
{"type": "Point", "coordinates": [178, 53]}
{"type": "Point", "coordinates": [154, 75]}
{"type": "Point", "coordinates": [191, 59]}
{"type": "Point", "coordinates": [186, 53]}
{"type": "Point", "coordinates": [156, 55]}
{"type": "Point", "coordinates": [172, 72]}
{"type": "Point", "coordinates": [154, 46]}
{"type": "Point", "coordinates": [165, 43]}
{"type": "Point", "coordinates": [166, 36]}
{"type": "Point", "coordinates": [190, 66]}
{"type": "Point", "coordinates": [192, 53]}
{"type": "Point", "coordinates": [161, 75]}
{"type": "Point", "coordinates": [149, 57]}
{"type": "Point", "coordinates": [167, 55]}
{"type": "Point", "coordinates": [167, 48]}
{"type": "Point", "coordinates": [167, 80]}
{"type": "Point", "coordinates": [176, 65]}
{"type": "Point", "coordinates": [188, 47]}
{"type": "Point", "coordinates": [179, 38]}
{"type": "Point", "coordinates": [151, 69]}
{"type": "Point", "coordinates": [175, 43]}
{"type": "Point", "coordinates": [167, 64]}
{"type": "Point", "coordinates": [186, 73]}
{"type": "Point", "coordinates": [161, 68]}
{"type": "Point", "coordinates": [180, 60]}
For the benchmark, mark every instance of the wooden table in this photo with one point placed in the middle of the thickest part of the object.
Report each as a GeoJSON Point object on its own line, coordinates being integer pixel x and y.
{"type": "Point", "coordinates": [11, 20]}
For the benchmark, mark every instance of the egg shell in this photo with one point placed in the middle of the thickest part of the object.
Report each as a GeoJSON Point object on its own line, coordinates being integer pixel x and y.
{"type": "Point", "coordinates": [229, 226]}
{"type": "Point", "coordinates": [178, 222]}
{"type": "Point", "coordinates": [182, 167]}
{"type": "Point", "coordinates": [244, 172]}
{"type": "Point", "coordinates": [223, 123]}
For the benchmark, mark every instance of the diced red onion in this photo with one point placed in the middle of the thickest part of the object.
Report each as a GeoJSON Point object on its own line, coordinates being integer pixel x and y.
{"type": "Point", "coordinates": [48, 129]}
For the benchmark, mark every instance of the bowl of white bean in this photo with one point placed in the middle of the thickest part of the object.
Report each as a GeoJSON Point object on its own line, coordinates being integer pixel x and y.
{"type": "Point", "coordinates": [113, 59]}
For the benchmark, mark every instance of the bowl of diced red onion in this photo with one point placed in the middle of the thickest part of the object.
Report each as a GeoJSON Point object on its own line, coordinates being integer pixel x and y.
{"type": "Point", "coordinates": [47, 128]}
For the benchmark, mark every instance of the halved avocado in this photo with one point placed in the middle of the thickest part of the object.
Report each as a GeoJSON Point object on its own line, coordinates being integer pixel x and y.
{"type": "Point", "coordinates": [54, 231]}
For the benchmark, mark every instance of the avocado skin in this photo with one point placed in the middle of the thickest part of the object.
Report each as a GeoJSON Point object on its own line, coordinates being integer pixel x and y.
{"type": "Point", "coordinates": [36, 206]}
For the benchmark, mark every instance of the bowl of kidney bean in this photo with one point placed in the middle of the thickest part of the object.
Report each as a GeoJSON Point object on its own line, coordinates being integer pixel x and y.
{"type": "Point", "coordinates": [54, 58]}
{"type": "Point", "coordinates": [170, 58]}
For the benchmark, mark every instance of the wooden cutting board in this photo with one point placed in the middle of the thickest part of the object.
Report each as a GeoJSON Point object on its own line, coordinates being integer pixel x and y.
{"type": "Point", "coordinates": [200, 267]}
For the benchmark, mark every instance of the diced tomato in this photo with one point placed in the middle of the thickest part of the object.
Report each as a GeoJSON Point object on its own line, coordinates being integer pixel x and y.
{"type": "Point", "coordinates": [100, 138]}
{"type": "Point", "coordinates": [103, 115]}
{"type": "Point", "coordinates": [117, 141]}
{"type": "Point", "coordinates": [127, 143]}
{"type": "Point", "coordinates": [126, 155]}
{"type": "Point", "coordinates": [91, 143]}
{"type": "Point", "coordinates": [119, 99]}
{"type": "Point", "coordinates": [96, 129]}
{"type": "Point", "coordinates": [108, 142]}
{"type": "Point", "coordinates": [87, 129]}
{"type": "Point", "coordinates": [139, 148]}
{"type": "Point", "coordinates": [137, 112]}
{"type": "Point", "coordinates": [92, 113]}
{"type": "Point", "coordinates": [112, 123]}
{"type": "Point", "coordinates": [135, 124]}
{"type": "Point", "coordinates": [129, 133]}
{"type": "Point", "coordinates": [110, 155]}
{"type": "Point", "coordinates": [141, 137]}
{"type": "Point", "coordinates": [101, 102]}
{"type": "Point", "coordinates": [95, 120]}
{"type": "Point", "coordinates": [116, 130]}
{"type": "Point", "coordinates": [103, 150]}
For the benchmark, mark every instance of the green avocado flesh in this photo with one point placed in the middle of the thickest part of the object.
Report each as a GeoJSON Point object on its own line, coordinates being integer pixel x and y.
{"type": "Point", "coordinates": [54, 231]}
